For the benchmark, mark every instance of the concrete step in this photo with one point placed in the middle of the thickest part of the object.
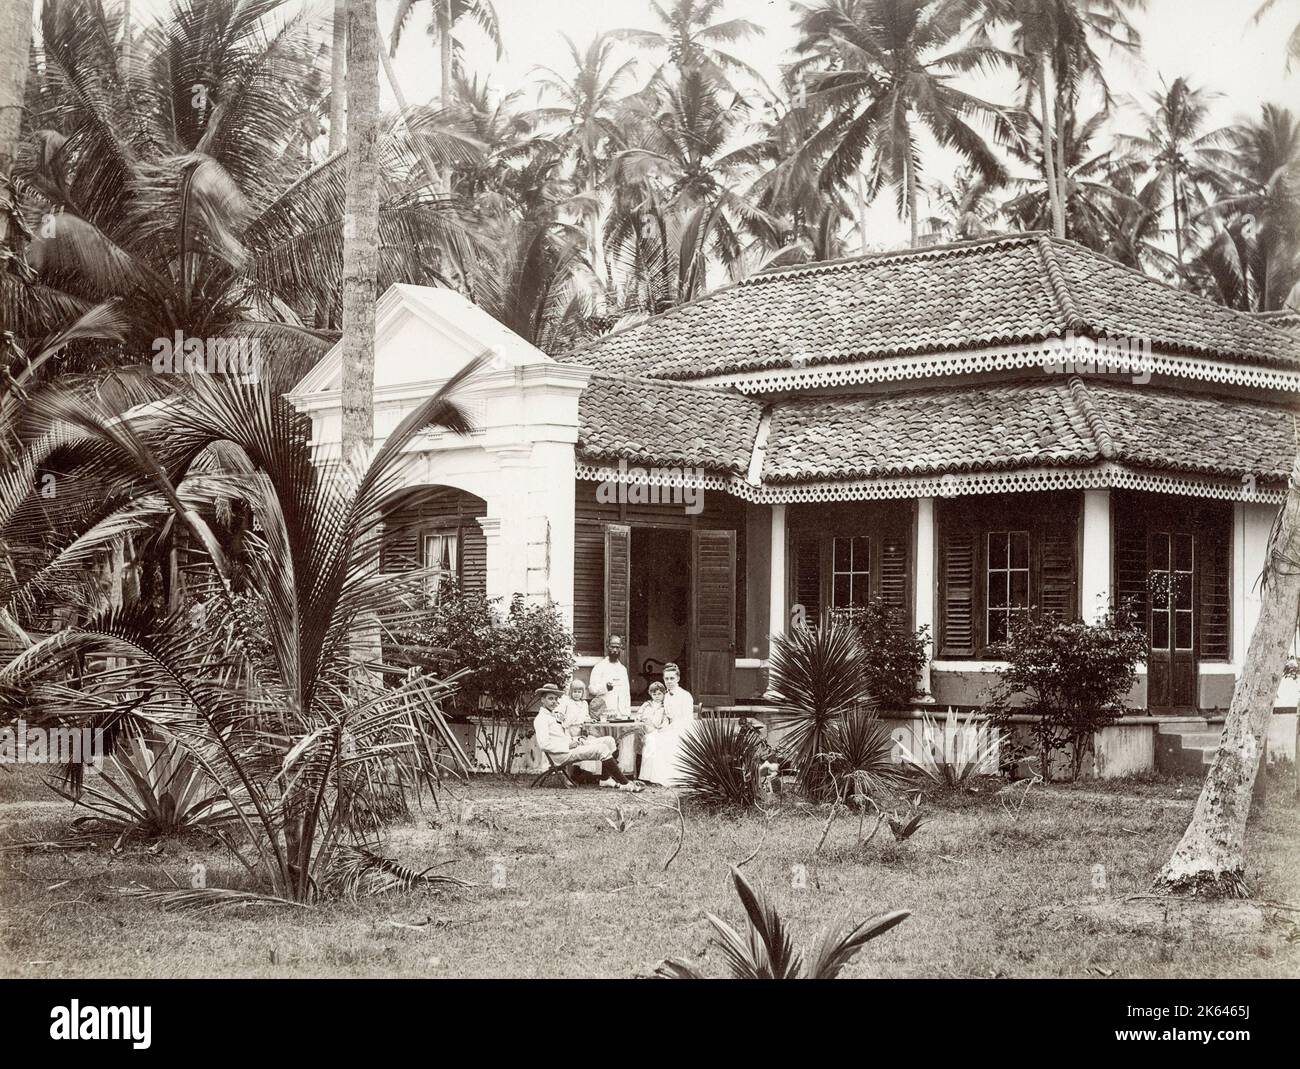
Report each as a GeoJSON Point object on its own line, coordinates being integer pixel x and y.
{"type": "Point", "coordinates": [1187, 746]}
{"type": "Point", "coordinates": [1183, 727]}
{"type": "Point", "coordinates": [1204, 740]}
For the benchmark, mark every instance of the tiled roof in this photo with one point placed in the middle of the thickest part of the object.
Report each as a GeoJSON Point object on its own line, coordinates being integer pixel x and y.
{"type": "Point", "coordinates": [1286, 318]}
{"type": "Point", "coordinates": [1027, 424]}
{"type": "Point", "coordinates": [647, 421]}
{"type": "Point", "coordinates": [1022, 288]}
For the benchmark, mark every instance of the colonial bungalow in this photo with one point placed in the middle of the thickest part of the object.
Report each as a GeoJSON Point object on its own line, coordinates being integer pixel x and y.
{"type": "Point", "coordinates": [969, 432]}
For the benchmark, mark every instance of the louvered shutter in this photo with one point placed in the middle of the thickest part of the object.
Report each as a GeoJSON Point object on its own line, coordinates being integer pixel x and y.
{"type": "Point", "coordinates": [399, 551]}
{"type": "Point", "coordinates": [806, 554]}
{"type": "Point", "coordinates": [894, 547]}
{"type": "Point", "coordinates": [1131, 562]}
{"type": "Point", "coordinates": [714, 587]}
{"type": "Point", "coordinates": [958, 612]}
{"type": "Point", "coordinates": [618, 579]}
{"type": "Point", "coordinates": [1057, 581]}
{"type": "Point", "coordinates": [1215, 596]}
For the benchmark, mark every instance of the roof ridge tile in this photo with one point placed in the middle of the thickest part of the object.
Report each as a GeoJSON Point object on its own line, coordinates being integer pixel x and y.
{"type": "Point", "coordinates": [1059, 289]}
{"type": "Point", "coordinates": [1093, 417]}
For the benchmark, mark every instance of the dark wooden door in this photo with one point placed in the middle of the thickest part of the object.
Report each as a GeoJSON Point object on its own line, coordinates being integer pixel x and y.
{"type": "Point", "coordinates": [713, 617]}
{"type": "Point", "coordinates": [1171, 619]}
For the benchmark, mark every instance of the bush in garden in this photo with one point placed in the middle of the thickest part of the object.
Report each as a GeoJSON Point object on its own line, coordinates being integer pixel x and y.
{"type": "Point", "coordinates": [1074, 677]}
{"type": "Point", "coordinates": [894, 653]}
{"type": "Point", "coordinates": [954, 750]}
{"type": "Point", "coordinates": [505, 656]}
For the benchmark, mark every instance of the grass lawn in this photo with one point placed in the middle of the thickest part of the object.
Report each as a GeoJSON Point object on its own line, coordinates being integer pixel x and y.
{"type": "Point", "coordinates": [561, 893]}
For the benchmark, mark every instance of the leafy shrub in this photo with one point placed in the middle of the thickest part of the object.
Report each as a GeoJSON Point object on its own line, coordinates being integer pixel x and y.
{"type": "Point", "coordinates": [952, 751]}
{"type": "Point", "coordinates": [718, 765]}
{"type": "Point", "coordinates": [1075, 676]}
{"type": "Point", "coordinates": [894, 653]}
{"type": "Point", "coordinates": [770, 954]}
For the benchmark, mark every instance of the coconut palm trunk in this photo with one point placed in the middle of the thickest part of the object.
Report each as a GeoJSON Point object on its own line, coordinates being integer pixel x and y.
{"type": "Point", "coordinates": [338, 78]}
{"type": "Point", "coordinates": [862, 213]}
{"type": "Point", "coordinates": [1049, 164]}
{"type": "Point", "coordinates": [361, 227]}
{"type": "Point", "coordinates": [444, 49]}
{"type": "Point", "coordinates": [1210, 857]}
{"type": "Point", "coordinates": [15, 40]}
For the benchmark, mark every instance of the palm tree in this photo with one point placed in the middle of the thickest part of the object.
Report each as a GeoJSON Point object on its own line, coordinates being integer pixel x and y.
{"type": "Point", "coordinates": [1087, 207]}
{"type": "Point", "coordinates": [361, 228]}
{"type": "Point", "coordinates": [16, 33]}
{"type": "Point", "coordinates": [1054, 40]}
{"type": "Point", "coordinates": [338, 74]}
{"type": "Point", "coordinates": [1251, 261]}
{"type": "Point", "coordinates": [770, 954]}
{"type": "Point", "coordinates": [588, 127]}
{"type": "Point", "coordinates": [1185, 159]}
{"type": "Point", "coordinates": [966, 207]}
{"type": "Point", "coordinates": [876, 72]}
{"type": "Point", "coordinates": [691, 40]}
{"type": "Point", "coordinates": [172, 186]}
{"type": "Point", "coordinates": [256, 681]}
{"type": "Point", "coordinates": [680, 180]}
{"type": "Point", "coordinates": [442, 25]}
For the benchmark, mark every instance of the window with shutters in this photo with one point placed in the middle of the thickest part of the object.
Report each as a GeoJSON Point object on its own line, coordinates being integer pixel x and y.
{"type": "Point", "coordinates": [843, 556]}
{"type": "Point", "coordinates": [1000, 559]}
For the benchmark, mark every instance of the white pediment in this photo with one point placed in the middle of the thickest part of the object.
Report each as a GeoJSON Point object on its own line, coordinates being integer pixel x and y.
{"type": "Point", "coordinates": [424, 335]}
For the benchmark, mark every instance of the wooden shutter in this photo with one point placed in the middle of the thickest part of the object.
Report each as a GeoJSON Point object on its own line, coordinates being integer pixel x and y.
{"type": "Point", "coordinates": [399, 550]}
{"type": "Point", "coordinates": [1130, 541]}
{"type": "Point", "coordinates": [618, 579]}
{"type": "Point", "coordinates": [1057, 577]}
{"type": "Point", "coordinates": [713, 581]}
{"type": "Point", "coordinates": [958, 611]}
{"type": "Point", "coordinates": [807, 585]}
{"type": "Point", "coordinates": [1215, 595]}
{"type": "Point", "coordinates": [894, 548]}
{"type": "Point", "coordinates": [588, 587]}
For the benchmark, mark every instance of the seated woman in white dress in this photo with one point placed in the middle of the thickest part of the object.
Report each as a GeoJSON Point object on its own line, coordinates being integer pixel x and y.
{"type": "Point", "coordinates": [667, 717]}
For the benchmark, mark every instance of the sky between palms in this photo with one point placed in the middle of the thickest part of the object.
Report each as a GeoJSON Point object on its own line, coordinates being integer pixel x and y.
{"type": "Point", "coordinates": [1213, 43]}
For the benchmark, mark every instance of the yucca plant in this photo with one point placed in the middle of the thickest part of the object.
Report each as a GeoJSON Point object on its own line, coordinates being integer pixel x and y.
{"type": "Point", "coordinates": [155, 787]}
{"type": "Point", "coordinates": [816, 675]}
{"type": "Point", "coordinates": [769, 952]}
{"type": "Point", "coordinates": [953, 750]}
{"type": "Point", "coordinates": [863, 755]}
{"type": "Point", "coordinates": [287, 717]}
{"type": "Point", "coordinates": [718, 765]}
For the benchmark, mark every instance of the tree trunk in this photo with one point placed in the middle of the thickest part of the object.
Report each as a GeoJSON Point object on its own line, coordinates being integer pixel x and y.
{"type": "Point", "coordinates": [911, 200]}
{"type": "Point", "coordinates": [862, 213]}
{"type": "Point", "coordinates": [1210, 858]}
{"type": "Point", "coordinates": [1049, 166]}
{"type": "Point", "coordinates": [338, 78]}
{"type": "Point", "coordinates": [444, 49]}
{"type": "Point", "coordinates": [361, 227]}
{"type": "Point", "coordinates": [15, 42]}
{"type": "Point", "coordinates": [1062, 175]}
{"type": "Point", "coordinates": [1178, 224]}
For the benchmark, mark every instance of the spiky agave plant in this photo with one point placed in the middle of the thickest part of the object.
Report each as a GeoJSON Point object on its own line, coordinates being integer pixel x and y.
{"type": "Point", "coordinates": [952, 751]}
{"type": "Point", "coordinates": [769, 952]}
{"type": "Point", "coordinates": [718, 765]}
{"type": "Point", "coordinates": [291, 736]}
{"type": "Point", "coordinates": [816, 675]}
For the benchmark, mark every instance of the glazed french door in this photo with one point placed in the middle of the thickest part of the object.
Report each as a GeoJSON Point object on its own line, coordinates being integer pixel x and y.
{"type": "Point", "coordinates": [1171, 619]}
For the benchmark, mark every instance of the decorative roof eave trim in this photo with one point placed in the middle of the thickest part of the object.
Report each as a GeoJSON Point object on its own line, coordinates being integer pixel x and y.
{"type": "Point", "coordinates": [1101, 477]}
{"type": "Point", "coordinates": [1070, 356]}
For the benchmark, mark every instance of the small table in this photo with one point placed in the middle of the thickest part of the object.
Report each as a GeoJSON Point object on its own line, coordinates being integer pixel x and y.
{"type": "Point", "coordinates": [625, 733]}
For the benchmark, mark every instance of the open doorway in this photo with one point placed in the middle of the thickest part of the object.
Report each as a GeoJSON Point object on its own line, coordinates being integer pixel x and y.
{"type": "Point", "coordinates": [659, 617]}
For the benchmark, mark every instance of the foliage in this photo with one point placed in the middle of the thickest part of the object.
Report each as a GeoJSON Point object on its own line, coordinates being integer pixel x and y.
{"type": "Point", "coordinates": [299, 737]}
{"type": "Point", "coordinates": [1074, 677]}
{"type": "Point", "coordinates": [816, 675]}
{"type": "Point", "coordinates": [718, 765]}
{"type": "Point", "coordinates": [953, 751]}
{"type": "Point", "coordinates": [155, 787]}
{"type": "Point", "coordinates": [862, 755]}
{"type": "Point", "coordinates": [769, 952]}
{"type": "Point", "coordinates": [894, 655]}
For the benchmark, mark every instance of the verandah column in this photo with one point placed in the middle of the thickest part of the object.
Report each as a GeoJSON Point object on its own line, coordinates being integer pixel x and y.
{"type": "Point", "coordinates": [777, 624]}
{"type": "Point", "coordinates": [923, 591]}
{"type": "Point", "coordinates": [1095, 564]}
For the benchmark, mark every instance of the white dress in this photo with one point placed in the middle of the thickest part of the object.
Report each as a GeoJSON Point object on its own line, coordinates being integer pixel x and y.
{"type": "Point", "coordinates": [661, 748]}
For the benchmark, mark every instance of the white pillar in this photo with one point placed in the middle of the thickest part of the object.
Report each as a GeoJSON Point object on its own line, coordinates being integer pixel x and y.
{"type": "Point", "coordinates": [923, 590]}
{"type": "Point", "coordinates": [777, 623]}
{"type": "Point", "coordinates": [1094, 567]}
